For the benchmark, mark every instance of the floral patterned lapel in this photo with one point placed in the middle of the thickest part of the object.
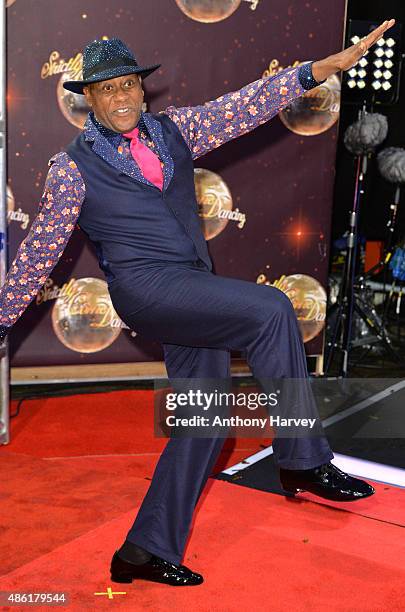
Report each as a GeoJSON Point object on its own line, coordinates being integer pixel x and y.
{"type": "Point", "coordinates": [109, 153]}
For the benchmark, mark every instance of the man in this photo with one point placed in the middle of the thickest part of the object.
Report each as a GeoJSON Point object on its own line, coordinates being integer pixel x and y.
{"type": "Point", "coordinates": [127, 180]}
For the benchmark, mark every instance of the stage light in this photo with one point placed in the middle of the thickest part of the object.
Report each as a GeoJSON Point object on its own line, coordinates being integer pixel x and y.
{"type": "Point", "coordinates": [375, 77]}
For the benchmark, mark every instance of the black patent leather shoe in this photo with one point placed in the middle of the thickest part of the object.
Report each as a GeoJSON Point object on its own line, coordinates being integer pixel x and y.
{"type": "Point", "coordinates": [156, 569]}
{"type": "Point", "coordinates": [327, 481]}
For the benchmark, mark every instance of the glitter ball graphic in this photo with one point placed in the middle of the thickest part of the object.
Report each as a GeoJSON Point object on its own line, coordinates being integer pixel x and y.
{"type": "Point", "coordinates": [316, 111]}
{"type": "Point", "coordinates": [208, 11]}
{"type": "Point", "coordinates": [309, 300]}
{"type": "Point", "coordinates": [82, 320]}
{"type": "Point", "coordinates": [73, 106]}
{"type": "Point", "coordinates": [214, 198]}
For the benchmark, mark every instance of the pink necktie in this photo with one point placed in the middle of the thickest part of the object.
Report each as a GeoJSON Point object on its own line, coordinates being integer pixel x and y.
{"type": "Point", "coordinates": [147, 160]}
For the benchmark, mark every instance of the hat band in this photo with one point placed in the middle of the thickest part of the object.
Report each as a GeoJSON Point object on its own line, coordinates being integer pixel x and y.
{"type": "Point", "coordinates": [113, 63]}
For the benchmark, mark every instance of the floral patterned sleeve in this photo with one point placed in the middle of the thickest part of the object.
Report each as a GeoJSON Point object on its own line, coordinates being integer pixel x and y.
{"type": "Point", "coordinates": [46, 240]}
{"type": "Point", "coordinates": [210, 125]}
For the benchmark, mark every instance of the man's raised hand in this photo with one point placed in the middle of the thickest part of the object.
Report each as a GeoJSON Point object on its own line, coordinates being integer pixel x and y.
{"type": "Point", "coordinates": [347, 58]}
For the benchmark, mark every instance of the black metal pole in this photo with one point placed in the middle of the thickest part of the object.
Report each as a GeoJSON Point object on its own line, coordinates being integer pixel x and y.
{"type": "Point", "coordinates": [348, 280]}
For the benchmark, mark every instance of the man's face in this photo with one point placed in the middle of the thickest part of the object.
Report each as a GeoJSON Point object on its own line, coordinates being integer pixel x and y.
{"type": "Point", "coordinates": [117, 103]}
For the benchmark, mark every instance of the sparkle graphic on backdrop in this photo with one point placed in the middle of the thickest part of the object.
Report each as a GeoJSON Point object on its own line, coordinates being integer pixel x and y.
{"type": "Point", "coordinates": [316, 111]}
{"type": "Point", "coordinates": [298, 234]}
{"type": "Point", "coordinates": [84, 320]}
{"type": "Point", "coordinates": [308, 298]}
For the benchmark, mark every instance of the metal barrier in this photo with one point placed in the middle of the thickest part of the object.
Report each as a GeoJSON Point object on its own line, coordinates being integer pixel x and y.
{"type": "Point", "coordinates": [4, 364]}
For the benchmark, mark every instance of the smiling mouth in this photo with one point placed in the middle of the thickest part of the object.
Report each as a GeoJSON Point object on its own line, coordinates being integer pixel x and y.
{"type": "Point", "coordinates": [125, 110]}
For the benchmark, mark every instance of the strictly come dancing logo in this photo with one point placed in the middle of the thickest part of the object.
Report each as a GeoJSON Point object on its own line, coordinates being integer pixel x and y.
{"type": "Point", "coordinates": [83, 317]}
{"type": "Point", "coordinates": [308, 298]}
{"type": "Point", "coordinates": [215, 203]}
{"type": "Point", "coordinates": [316, 111]}
{"type": "Point", "coordinates": [16, 215]}
{"type": "Point", "coordinates": [72, 106]}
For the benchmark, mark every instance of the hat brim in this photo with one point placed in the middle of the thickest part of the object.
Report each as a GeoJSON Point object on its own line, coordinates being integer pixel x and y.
{"type": "Point", "coordinates": [77, 86]}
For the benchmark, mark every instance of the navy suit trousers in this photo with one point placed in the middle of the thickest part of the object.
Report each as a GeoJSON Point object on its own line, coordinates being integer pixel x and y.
{"type": "Point", "coordinates": [199, 317]}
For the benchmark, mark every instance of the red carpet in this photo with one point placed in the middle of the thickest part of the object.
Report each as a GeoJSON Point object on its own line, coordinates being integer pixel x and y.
{"type": "Point", "coordinates": [118, 422]}
{"type": "Point", "coordinates": [271, 554]}
{"type": "Point", "coordinates": [72, 463]}
{"type": "Point", "coordinates": [77, 468]}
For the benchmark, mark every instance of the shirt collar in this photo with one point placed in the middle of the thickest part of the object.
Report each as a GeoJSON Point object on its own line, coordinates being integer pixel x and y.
{"type": "Point", "coordinates": [154, 130]}
{"type": "Point", "coordinates": [93, 126]}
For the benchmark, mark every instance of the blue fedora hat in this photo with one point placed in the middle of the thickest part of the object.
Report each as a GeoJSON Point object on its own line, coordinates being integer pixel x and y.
{"type": "Point", "coordinates": [107, 59]}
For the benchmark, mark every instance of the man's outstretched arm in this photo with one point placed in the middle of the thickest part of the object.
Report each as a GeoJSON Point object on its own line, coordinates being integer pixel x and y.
{"type": "Point", "coordinates": [207, 126]}
{"type": "Point", "coordinates": [210, 125]}
{"type": "Point", "coordinates": [45, 242]}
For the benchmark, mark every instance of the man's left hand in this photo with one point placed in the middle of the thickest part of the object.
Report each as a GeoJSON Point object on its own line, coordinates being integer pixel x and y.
{"type": "Point", "coordinates": [347, 58]}
{"type": "Point", "coordinates": [350, 56]}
